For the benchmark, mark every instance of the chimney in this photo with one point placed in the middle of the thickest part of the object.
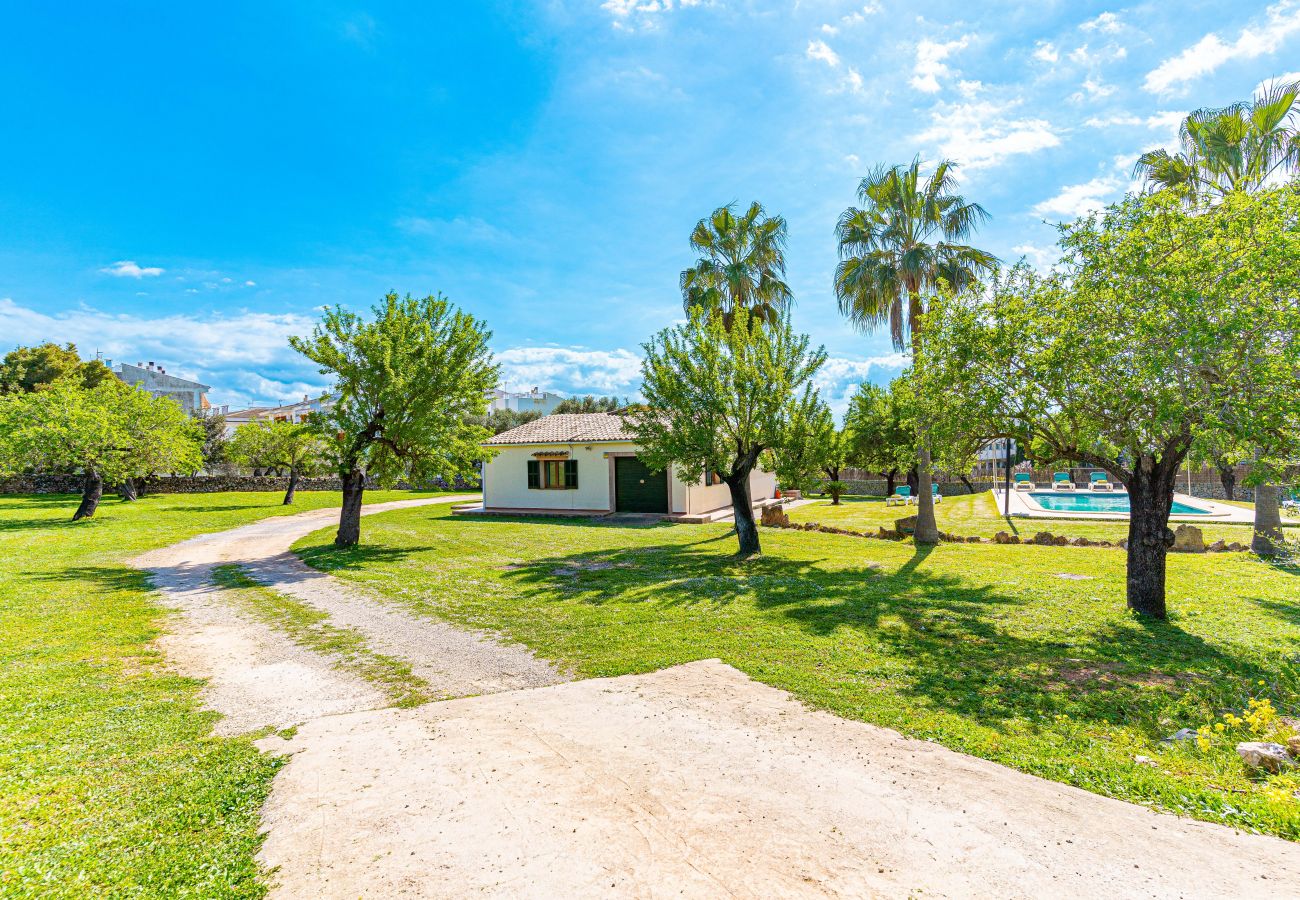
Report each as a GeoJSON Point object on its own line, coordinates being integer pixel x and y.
{"type": "Point", "coordinates": [139, 365]}
{"type": "Point", "coordinates": [151, 364]}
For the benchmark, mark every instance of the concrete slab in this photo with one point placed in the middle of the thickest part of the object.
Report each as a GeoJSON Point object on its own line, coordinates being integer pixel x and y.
{"type": "Point", "coordinates": [699, 782]}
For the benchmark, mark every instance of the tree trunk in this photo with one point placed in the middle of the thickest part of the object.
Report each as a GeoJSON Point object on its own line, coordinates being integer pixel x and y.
{"type": "Point", "coordinates": [1228, 478]}
{"type": "Point", "coordinates": [293, 486]}
{"type": "Point", "coordinates": [889, 481]}
{"type": "Point", "coordinates": [927, 530]}
{"type": "Point", "coordinates": [128, 491]}
{"type": "Point", "coordinates": [742, 508]}
{"type": "Point", "coordinates": [1151, 495]}
{"type": "Point", "coordinates": [349, 533]}
{"type": "Point", "coordinates": [1267, 539]}
{"type": "Point", "coordinates": [92, 489]}
{"type": "Point", "coordinates": [970, 488]}
{"type": "Point", "coordinates": [914, 481]}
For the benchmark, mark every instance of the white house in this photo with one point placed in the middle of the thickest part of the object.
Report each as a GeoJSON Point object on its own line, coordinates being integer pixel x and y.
{"type": "Point", "coordinates": [523, 401]}
{"type": "Point", "coordinates": [587, 464]}
{"type": "Point", "coordinates": [291, 412]}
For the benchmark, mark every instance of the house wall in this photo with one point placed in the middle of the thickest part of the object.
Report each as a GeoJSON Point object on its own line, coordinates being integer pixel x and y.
{"type": "Point", "coordinates": [505, 478]}
{"type": "Point", "coordinates": [505, 482]}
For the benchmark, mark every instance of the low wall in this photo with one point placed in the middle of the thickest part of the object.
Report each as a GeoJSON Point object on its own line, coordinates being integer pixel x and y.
{"type": "Point", "coordinates": [877, 488]}
{"type": "Point", "coordinates": [207, 484]}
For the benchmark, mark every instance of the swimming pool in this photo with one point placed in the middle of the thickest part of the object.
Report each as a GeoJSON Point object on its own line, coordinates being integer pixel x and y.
{"type": "Point", "coordinates": [1089, 502]}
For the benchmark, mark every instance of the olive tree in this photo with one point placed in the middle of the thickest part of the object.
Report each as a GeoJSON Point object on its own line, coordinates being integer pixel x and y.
{"type": "Point", "coordinates": [880, 435]}
{"type": "Point", "coordinates": [290, 447]}
{"type": "Point", "coordinates": [1159, 330]}
{"type": "Point", "coordinates": [406, 383]}
{"type": "Point", "coordinates": [718, 394]}
{"type": "Point", "coordinates": [110, 432]}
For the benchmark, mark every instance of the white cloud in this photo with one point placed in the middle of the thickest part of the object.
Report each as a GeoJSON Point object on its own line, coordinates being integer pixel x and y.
{"type": "Point", "coordinates": [1080, 199]}
{"type": "Point", "coordinates": [1107, 22]}
{"type": "Point", "coordinates": [1045, 51]}
{"type": "Point", "coordinates": [853, 81]}
{"type": "Point", "coordinates": [1093, 89]}
{"type": "Point", "coordinates": [250, 284]}
{"type": "Point", "coordinates": [838, 378]}
{"type": "Point", "coordinates": [930, 65]}
{"type": "Point", "coordinates": [858, 16]}
{"type": "Point", "coordinates": [571, 369]}
{"type": "Point", "coordinates": [128, 269]}
{"type": "Point", "coordinates": [819, 50]}
{"type": "Point", "coordinates": [1285, 78]}
{"type": "Point", "coordinates": [1280, 22]}
{"type": "Point", "coordinates": [1041, 258]}
{"type": "Point", "coordinates": [969, 89]}
{"type": "Point", "coordinates": [629, 15]}
{"type": "Point", "coordinates": [830, 29]}
{"type": "Point", "coordinates": [983, 134]}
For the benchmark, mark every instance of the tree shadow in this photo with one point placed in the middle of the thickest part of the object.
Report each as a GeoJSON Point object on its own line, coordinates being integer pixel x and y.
{"type": "Point", "coordinates": [946, 641]}
{"type": "Point", "coordinates": [111, 578]}
{"type": "Point", "coordinates": [328, 558]}
{"type": "Point", "coordinates": [1289, 611]}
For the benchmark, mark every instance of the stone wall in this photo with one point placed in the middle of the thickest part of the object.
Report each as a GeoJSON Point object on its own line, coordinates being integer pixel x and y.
{"type": "Point", "coordinates": [876, 488]}
{"type": "Point", "coordinates": [203, 484]}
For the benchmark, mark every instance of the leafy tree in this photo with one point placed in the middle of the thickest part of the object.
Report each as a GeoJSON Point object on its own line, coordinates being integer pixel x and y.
{"type": "Point", "coordinates": [741, 265]}
{"type": "Point", "coordinates": [284, 446]}
{"type": "Point", "coordinates": [1161, 327]}
{"type": "Point", "coordinates": [718, 397]}
{"type": "Point", "coordinates": [407, 383]}
{"type": "Point", "coordinates": [1239, 148]}
{"type": "Point", "coordinates": [896, 251]}
{"type": "Point", "coordinates": [499, 420]}
{"type": "Point", "coordinates": [589, 404]}
{"type": "Point", "coordinates": [215, 443]}
{"type": "Point", "coordinates": [813, 452]}
{"type": "Point", "coordinates": [110, 432]}
{"type": "Point", "coordinates": [879, 435]}
{"type": "Point", "coordinates": [35, 368]}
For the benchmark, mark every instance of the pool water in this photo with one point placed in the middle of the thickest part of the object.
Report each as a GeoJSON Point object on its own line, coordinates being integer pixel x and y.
{"type": "Point", "coordinates": [1086, 501]}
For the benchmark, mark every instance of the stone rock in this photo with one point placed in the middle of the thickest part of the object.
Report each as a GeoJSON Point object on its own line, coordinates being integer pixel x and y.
{"type": "Point", "coordinates": [1144, 761]}
{"type": "Point", "coordinates": [1061, 540]}
{"type": "Point", "coordinates": [1122, 544]}
{"type": "Point", "coordinates": [1293, 745]}
{"type": "Point", "coordinates": [1080, 542]}
{"type": "Point", "coordinates": [1260, 756]}
{"type": "Point", "coordinates": [905, 525]}
{"type": "Point", "coordinates": [774, 517]}
{"type": "Point", "coordinates": [1189, 539]}
{"type": "Point", "coordinates": [1182, 734]}
{"type": "Point", "coordinates": [1236, 547]}
{"type": "Point", "coordinates": [973, 539]}
{"type": "Point", "coordinates": [1001, 538]}
{"type": "Point", "coordinates": [1219, 546]}
{"type": "Point", "coordinates": [1043, 539]}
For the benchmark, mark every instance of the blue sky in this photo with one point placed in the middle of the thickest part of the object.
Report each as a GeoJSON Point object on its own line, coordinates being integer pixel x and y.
{"type": "Point", "coordinates": [190, 186]}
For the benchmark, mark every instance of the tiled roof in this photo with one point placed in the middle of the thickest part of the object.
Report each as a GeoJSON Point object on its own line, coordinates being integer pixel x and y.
{"type": "Point", "coordinates": [570, 428]}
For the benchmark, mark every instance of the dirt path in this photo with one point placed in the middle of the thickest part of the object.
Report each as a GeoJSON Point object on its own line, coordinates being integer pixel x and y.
{"type": "Point", "coordinates": [257, 677]}
{"type": "Point", "coordinates": [693, 781]}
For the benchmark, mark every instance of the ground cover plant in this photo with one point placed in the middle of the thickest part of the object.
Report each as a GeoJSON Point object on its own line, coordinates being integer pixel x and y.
{"type": "Point", "coordinates": [109, 782]}
{"type": "Point", "coordinates": [1022, 655]}
{"type": "Point", "coordinates": [981, 515]}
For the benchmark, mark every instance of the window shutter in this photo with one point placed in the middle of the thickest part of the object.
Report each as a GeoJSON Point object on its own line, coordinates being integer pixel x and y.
{"type": "Point", "coordinates": [534, 473]}
{"type": "Point", "coordinates": [571, 474]}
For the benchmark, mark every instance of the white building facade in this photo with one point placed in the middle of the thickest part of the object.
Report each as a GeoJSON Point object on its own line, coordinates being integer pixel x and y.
{"type": "Point", "coordinates": [587, 464]}
{"type": "Point", "coordinates": [535, 400]}
{"type": "Point", "coordinates": [190, 395]}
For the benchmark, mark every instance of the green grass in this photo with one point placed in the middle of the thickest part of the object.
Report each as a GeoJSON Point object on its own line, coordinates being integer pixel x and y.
{"type": "Point", "coordinates": [310, 627]}
{"type": "Point", "coordinates": [980, 515]}
{"type": "Point", "coordinates": [982, 648]}
{"type": "Point", "coordinates": [109, 782]}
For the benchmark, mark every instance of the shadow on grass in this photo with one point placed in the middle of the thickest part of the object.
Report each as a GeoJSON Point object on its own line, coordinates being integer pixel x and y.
{"type": "Point", "coordinates": [328, 558]}
{"type": "Point", "coordinates": [943, 641]}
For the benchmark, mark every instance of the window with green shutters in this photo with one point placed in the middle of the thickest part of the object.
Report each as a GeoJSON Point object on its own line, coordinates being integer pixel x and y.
{"type": "Point", "coordinates": [553, 474]}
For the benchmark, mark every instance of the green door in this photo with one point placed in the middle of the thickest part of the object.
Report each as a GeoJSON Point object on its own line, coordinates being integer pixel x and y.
{"type": "Point", "coordinates": [637, 489]}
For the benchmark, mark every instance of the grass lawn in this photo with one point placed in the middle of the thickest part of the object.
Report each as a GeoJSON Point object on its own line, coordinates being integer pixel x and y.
{"type": "Point", "coordinates": [985, 649]}
{"type": "Point", "coordinates": [109, 783]}
{"type": "Point", "coordinates": [979, 514]}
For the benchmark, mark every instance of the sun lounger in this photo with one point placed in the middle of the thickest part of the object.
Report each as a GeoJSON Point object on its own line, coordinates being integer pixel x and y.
{"type": "Point", "coordinates": [1099, 481]}
{"type": "Point", "coordinates": [1061, 482]}
{"type": "Point", "coordinates": [1024, 482]}
{"type": "Point", "coordinates": [901, 497]}
{"type": "Point", "coordinates": [934, 492]}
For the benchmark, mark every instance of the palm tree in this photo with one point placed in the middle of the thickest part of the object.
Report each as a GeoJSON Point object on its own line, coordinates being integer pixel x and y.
{"type": "Point", "coordinates": [1233, 148]}
{"type": "Point", "coordinates": [1236, 148]}
{"type": "Point", "coordinates": [741, 264]}
{"type": "Point", "coordinates": [895, 252]}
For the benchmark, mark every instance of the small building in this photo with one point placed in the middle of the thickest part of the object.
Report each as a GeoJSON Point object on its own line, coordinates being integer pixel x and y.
{"type": "Point", "coordinates": [190, 395]}
{"type": "Point", "coordinates": [543, 402]}
{"type": "Point", "coordinates": [587, 464]}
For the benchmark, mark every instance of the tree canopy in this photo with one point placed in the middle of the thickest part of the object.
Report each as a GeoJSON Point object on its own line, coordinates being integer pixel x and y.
{"type": "Point", "coordinates": [36, 368]}
{"type": "Point", "coordinates": [407, 383]}
{"type": "Point", "coordinates": [110, 432]}
{"type": "Point", "coordinates": [590, 404]}
{"type": "Point", "coordinates": [1161, 328]}
{"type": "Point", "coordinates": [741, 265]}
{"type": "Point", "coordinates": [718, 396]}
{"type": "Point", "coordinates": [292, 447]}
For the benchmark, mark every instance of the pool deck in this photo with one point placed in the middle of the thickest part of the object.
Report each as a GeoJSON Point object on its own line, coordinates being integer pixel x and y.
{"type": "Point", "coordinates": [1024, 507]}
